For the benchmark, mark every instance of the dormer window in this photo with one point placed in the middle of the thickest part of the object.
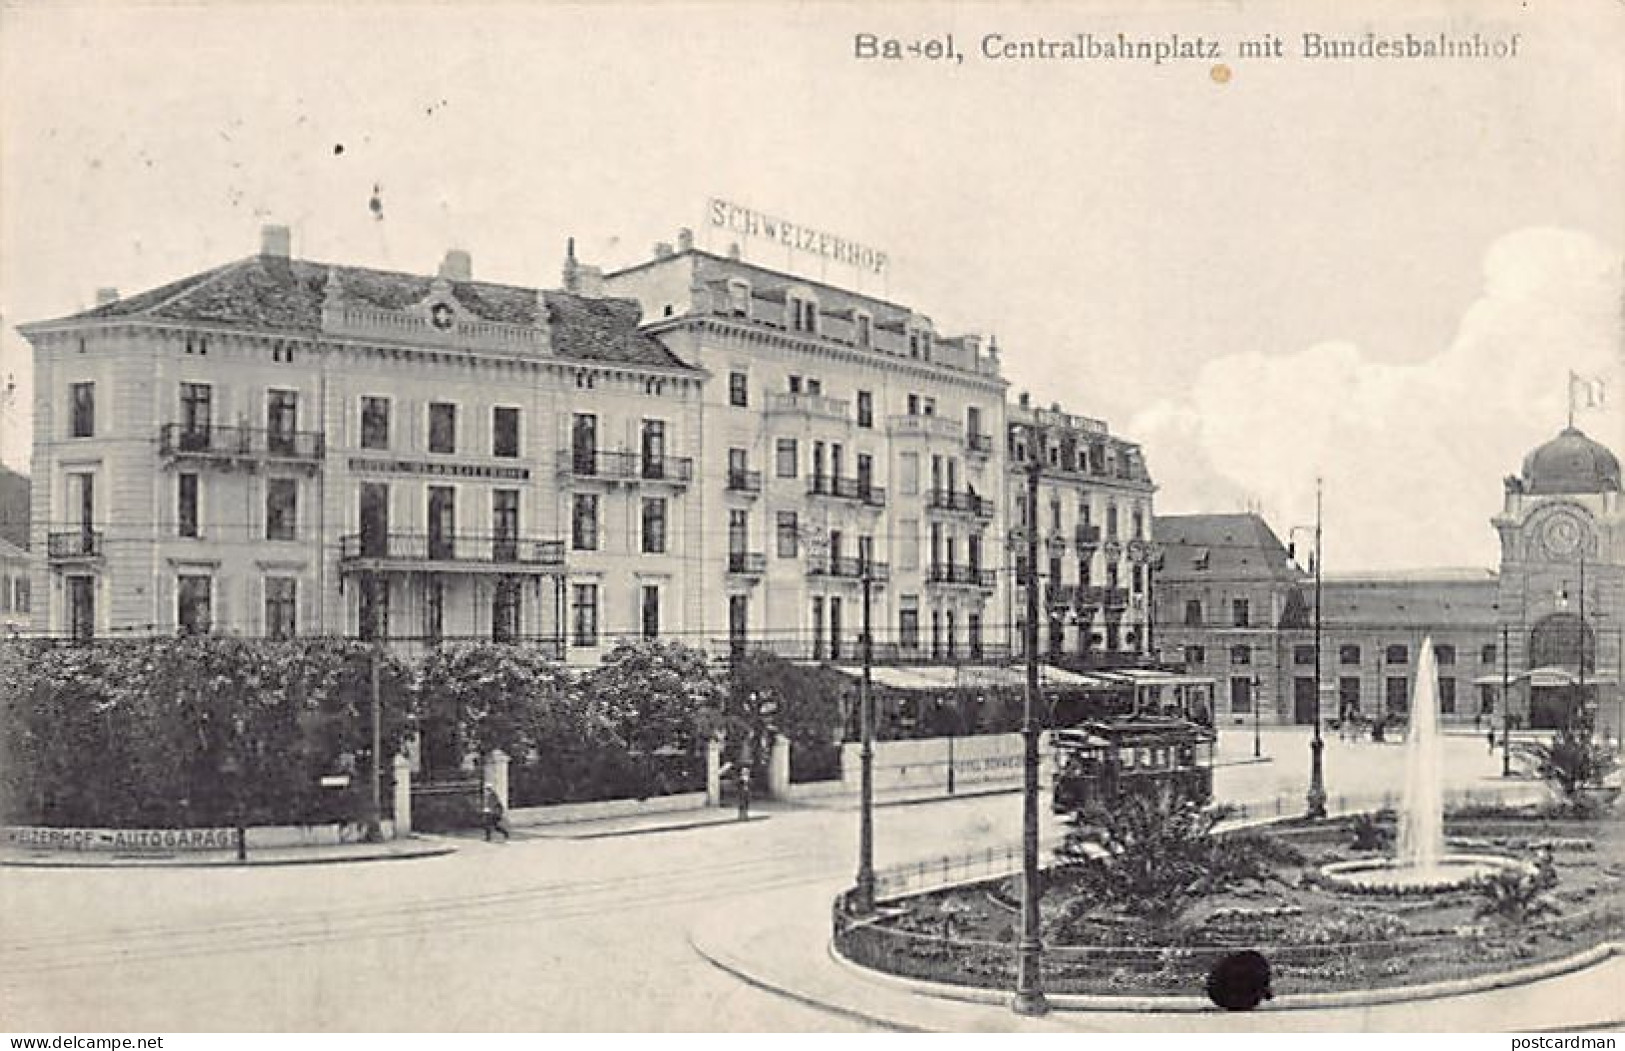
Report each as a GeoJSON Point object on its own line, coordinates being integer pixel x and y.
{"type": "Point", "coordinates": [865, 330]}
{"type": "Point", "coordinates": [739, 297]}
{"type": "Point", "coordinates": [803, 313]}
{"type": "Point", "coordinates": [913, 344]}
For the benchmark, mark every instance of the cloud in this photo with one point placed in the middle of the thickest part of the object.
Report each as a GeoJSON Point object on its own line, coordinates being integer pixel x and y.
{"type": "Point", "coordinates": [1412, 455]}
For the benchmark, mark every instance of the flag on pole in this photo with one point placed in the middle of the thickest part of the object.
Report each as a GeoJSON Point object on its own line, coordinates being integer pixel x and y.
{"type": "Point", "coordinates": [1585, 392]}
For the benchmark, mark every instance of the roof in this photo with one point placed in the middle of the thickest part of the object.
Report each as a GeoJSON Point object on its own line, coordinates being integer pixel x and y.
{"type": "Point", "coordinates": [10, 552]}
{"type": "Point", "coordinates": [1571, 463]}
{"type": "Point", "coordinates": [271, 292]}
{"type": "Point", "coordinates": [1403, 600]}
{"type": "Point", "coordinates": [1231, 547]}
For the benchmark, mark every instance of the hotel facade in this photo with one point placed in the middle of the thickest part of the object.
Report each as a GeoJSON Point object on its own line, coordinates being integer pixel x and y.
{"type": "Point", "coordinates": [695, 447]}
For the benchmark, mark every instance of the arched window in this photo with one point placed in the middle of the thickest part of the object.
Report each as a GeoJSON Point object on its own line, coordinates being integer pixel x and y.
{"type": "Point", "coordinates": [1557, 641]}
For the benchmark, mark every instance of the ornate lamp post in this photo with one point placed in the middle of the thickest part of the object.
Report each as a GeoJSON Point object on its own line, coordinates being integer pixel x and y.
{"type": "Point", "coordinates": [1029, 998]}
{"type": "Point", "coordinates": [1315, 799]}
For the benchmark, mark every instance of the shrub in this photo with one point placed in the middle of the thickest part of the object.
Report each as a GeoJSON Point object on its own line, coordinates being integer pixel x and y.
{"type": "Point", "coordinates": [1513, 897]}
{"type": "Point", "coordinates": [1370, 833]}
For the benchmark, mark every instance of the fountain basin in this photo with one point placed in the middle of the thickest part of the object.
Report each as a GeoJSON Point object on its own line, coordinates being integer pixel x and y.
{"type": "Point", "coordinates": [1392, 876]}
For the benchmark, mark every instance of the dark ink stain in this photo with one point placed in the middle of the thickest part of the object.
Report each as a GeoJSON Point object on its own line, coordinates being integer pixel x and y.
{"type": "Point", "coordinates": [377, 202]}
{"type": "Point", "coordinates": [338, 149]}
{"type": "Point", "coordinates": [1240, 981]}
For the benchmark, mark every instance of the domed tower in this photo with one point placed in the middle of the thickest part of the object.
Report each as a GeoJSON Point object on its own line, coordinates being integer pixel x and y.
{"type": "Point", "coordinates": [1562, 586]}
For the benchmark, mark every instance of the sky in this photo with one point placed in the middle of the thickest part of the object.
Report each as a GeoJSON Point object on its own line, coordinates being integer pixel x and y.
{"type": "Point", "coordinates": [1374, 271]}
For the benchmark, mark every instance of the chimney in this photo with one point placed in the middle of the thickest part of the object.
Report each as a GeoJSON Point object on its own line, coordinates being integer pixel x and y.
{"type": "Point", "coordinates": [733, 251]}
{"type": "Point", "coordinates": [1025, 400]}
{"type": "Point", "coordinates": [590, 282]}
{"type": "Point", "coordinates": [662, 249]}
{"type": "Point", "coordinates": [105, 296]}
{"type": "Point", "coordinates": [685, 240]}
{"type": "Point", "coordinates": [457, 266]}
{"type": "Point", "coordinates": [274, 241]}
{"type": "Point", "coordinates": [572, 269]}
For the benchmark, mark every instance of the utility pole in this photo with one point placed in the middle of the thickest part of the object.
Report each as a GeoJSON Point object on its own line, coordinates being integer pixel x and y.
{"type": "Point", "coordinates": [1029, 999]}
{"type": "Point", "coordinates": [375, 810]}
{"type": "Point", "coordinates": [1506, 700]}
{"type": "Point", "coordinates": [1317, 785]}
{"type": "Point", "coordinates": [866, 752]}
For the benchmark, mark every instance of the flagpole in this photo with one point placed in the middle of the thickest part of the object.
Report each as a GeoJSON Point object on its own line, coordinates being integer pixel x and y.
{"type": "Point", "coordinates": [1572, 378]}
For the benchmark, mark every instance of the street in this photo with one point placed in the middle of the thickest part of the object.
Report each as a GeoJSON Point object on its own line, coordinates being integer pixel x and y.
{"type": "Point", "coordinates": [536, 934]}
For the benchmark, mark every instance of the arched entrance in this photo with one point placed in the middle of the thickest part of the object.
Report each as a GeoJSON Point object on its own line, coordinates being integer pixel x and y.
{"type": "Point", "coordinates": [1560, 641]}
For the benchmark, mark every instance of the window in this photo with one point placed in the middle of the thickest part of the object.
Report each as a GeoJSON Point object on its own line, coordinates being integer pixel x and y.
{"type": "Point", "coordinates": [1488, 654]}
{"type": "Point", "coordinates": [738, 389]}
{"type": "Point", "coordinates": [835, 628]}
{"type": "Point", "coordinates": [818, 627]}
{"type": "Point", "coordinates": [788, 534]}
{"type": "Point", "coordinates": [1196, 654]}
{"type": "Point", "coordinates": [936, 633]}
{"type": "Point", "coordinates": [654, 448]}
{"type": "Point", "coordinates": [505, 525]}
{"type": "Point", "coordinates": [1241, 696]}
{"type": "Point", "coordinates": [442, 427]}
{"type": "Point", "coordinates": [738, 621]}
{"type": "Point", "coordinates": [504, 431]}
{"type": "Point", "coordinates": [373, 515]}
{"type": "Point", "coordinates": [650, 611]}
{"type": "Point", "coordinates": [785, 457]}
{"type": "Point", "coordinates": [1139, 524]}
{"type": "Point", "coordinates": [1447, 696]}
{"type": "Point", "coordinates": [1241, 655]}
{"type": "Point", "coordinates": [913, 404]}
{"type": "Point", "coordinates": [434, 608]}
{"type": "Point", "coordinates": [584, 522]}
{"type": "Point", "coordinates": [1348, 696]}
{"type": "Point", "coordinates": [1111, 525]}
{"type": "Point", "coordinates": [865, 330]}
{"type": "Point", "coordinates": [584, 614]}
{"type": "Point", "coordinates": [908, 482]}
{"type": "Point", "coordinates": [1399, 700]}
{"type": "Point", "coordinates": [866, 476]}
{"type": "Point", "coordinates": [866, 409]}
{"type": "Point", "coordinates": [1486, 700]}
{"type": "Point", "coordinates": [973, 633]}
{"type": "Point", "coordinates": [1444, 653]}
{"type": "Point", "coordinates": [281, 508]}
{"type": "Point", "coordinates": [973, 422]}
{"type": "Point", "coordinates": [1139, 578]}
{"type": "Point", "coordinates": [505, 610]}
{"type": "Point", "coordinates": [281, 607]}
{"type": "Point", "coordinates": [1397, 654]}
{"type": "Point", "coordinates": [1348, 653]}
{"type": "Point", "coordinates": [281, 421]}
{"type": "Point", "coordinates": [739, 297]}
{"type": "Point", "coordinates": [1238, 609]}
{"type": "Point", "coordinates": [795, 384]}
{"type": "Point", "coordinates": [186, 505]}
{"type": "Point", "coordinates": [82, 410]}
{"type": "Point", "coordinates": [442, 521]}
{"type": "Point", "coordinates": [374, 423]}
{"type": "Point", "coordinates": [197, 413]}
{"type": "Point", "coordinates": [82, 606]}
{"type": "Point", "coordinates": [908, 622]}
{"type": "Point", "coordinates": [192, 601]}
{"type": "Point", "coordinates": [1303, 655]}
{"type": "Point", "coordinates": [584, 444]}
{"type": "Point", "coordinates": [654, 525]}
{"type": "Point", "coordinates": [374, 606]}
{"type": "Point", "coordinates": [1193, 613]}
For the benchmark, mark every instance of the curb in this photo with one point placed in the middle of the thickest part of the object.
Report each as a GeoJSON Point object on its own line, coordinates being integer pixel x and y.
{"type": "Point", "coordinates": [118, 861]}
{"type": "Point", "coordinates": [1399, 994]}
{"type": "Point", "coordinates": [732, 822]}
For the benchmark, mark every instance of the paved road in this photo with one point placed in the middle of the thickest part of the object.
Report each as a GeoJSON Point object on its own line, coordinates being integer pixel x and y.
{"type": "Point", "coordinates": [539, 934]}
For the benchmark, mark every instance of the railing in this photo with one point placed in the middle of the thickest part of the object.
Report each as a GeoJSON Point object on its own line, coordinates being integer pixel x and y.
{"type": "Point", "coordinates": [846, 489]}
{"type": "Point", "coordinates": [744, 481]}
{"type": "Point", "coordinates": [179, 439]}
{"type": "Point", "coordinates": [847, 567]}
{"type": "Point", "coordinates": [795, 404]}
{"type": "Point", "coordinates": [950, 573]}
{"type": "Point", "coordinates": [968, 502]}
{"type": "Point", "coordinates": [919, 426]}
{"type": "Point", "coordinates": [475, 548]}
{"type": "Point", "coordinates": [749, 562]}
{"type": "Point", "coordinates": [81, 543]}
{"type": "Point", "coordinates": [979, 444]}
{"type": "Point", "coordinates": [626, 466]}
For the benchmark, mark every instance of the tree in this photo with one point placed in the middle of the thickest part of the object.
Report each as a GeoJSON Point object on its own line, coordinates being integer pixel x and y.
{"type": "Point", "coordinates": [807, 704]}
{"type": "Point", "coordinates": [1572, 763]}
{"type": "Point", "coordinates": [661, 700]}
{"type": "Point", "coordinates": [480, 697]}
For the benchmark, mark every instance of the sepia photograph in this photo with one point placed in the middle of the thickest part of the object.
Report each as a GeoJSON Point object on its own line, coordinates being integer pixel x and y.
{"type": "Point", "coordinates": [706, 517]}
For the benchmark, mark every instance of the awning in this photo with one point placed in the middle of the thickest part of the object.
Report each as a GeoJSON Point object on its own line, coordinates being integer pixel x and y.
{"type": "Point", "coordinates": [944, 678]}
{"type": "Point", "coordinates": [1550, 676]}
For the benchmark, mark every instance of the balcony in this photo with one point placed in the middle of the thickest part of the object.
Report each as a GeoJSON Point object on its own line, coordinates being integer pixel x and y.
{"type": "Point", "coordinates": [966, 576]}
{"type": "Point", "coordinates": [1087, 537]}
{"type": "Point", "coordinates": [979, 444]}
{"type": "Point", "coordinates": [248, 446]}
{"type": "Point", "coordinates": [460, 552]}
{"type": "Point", "coordinates": [625, 467]}
{"type": "Point", "coordinates": [78, 546]}
{"type": "Point", "coordinates": [857, 489]}
{"type": "Point", "coordinates": [748, 482]}
{"type": "Point", "coordinates": [814, 406]}
{"type": "Point", "coordinates": [747, 563]}
{"type": "Point", "coordinates": [964, 503]}
{"type": "Point", "coordinates": [847, 567]}
{"type": "Point", "coordinates": [925, 427]}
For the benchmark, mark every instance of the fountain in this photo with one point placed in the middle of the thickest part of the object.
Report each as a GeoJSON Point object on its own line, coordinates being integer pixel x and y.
{"type": "Point", "coordinates": [1420, 864]}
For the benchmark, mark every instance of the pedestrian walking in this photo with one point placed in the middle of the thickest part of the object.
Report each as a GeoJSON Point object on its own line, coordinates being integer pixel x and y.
{"type": "Point", "coordinates": [491, 810]}
{"type": "Point", "coordinates": [1490, 736]}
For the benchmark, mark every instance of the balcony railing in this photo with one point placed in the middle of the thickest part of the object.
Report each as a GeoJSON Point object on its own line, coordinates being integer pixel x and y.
{"type": "Point", "coordinates": [216, 440]}
{"type": "Point", "coordinates": [749, 563]}
{"type": "Point", "coordinates": [744, 481]}
{"type": "Point", "coordinates": [979, 444]}
{"type": "Point", "coordinates": [919, 426]}
{"type": "Point", "coordinates": [966, 502]}
{"type": "Point", "coordinates": [1087, 536]}
{"type": "Point", "coordinates": [848, 567]}
{"type": "Point", "coordinates": [846, 489]}
{"type": "Point", "coordinates": [81, 543]}
{"type": "Point", "coordinates": [514, 553]}
{"type": "Point", "coordinates": [817, 405]}
{"type": "Point", "coordinates": [972, 576]}
{"type": "Point", "coordinates": [626, 466]}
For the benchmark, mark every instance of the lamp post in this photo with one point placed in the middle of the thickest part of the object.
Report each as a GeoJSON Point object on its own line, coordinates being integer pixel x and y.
{"type": "Point", "coordinates": [1029, 998]}
{"type": "Point", "coordinates": [1506, 700]}
{"type": "Point", "coordinates": [1258, 747]}
{"type": "Point", "coordinates": [375, 804]}
{"type": "Point", "coordinates": [1315, 799]}
{"type": "Point", "coordinates": [866, 751]}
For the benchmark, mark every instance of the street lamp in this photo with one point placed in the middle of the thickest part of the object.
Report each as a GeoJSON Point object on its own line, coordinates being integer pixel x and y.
{"type": "Point", "coordinates": [1258, 748]}
{"type": "Point", "coordinates": [1029, 998]}
{"type": "Point", "coordinates": [1316, 797]}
